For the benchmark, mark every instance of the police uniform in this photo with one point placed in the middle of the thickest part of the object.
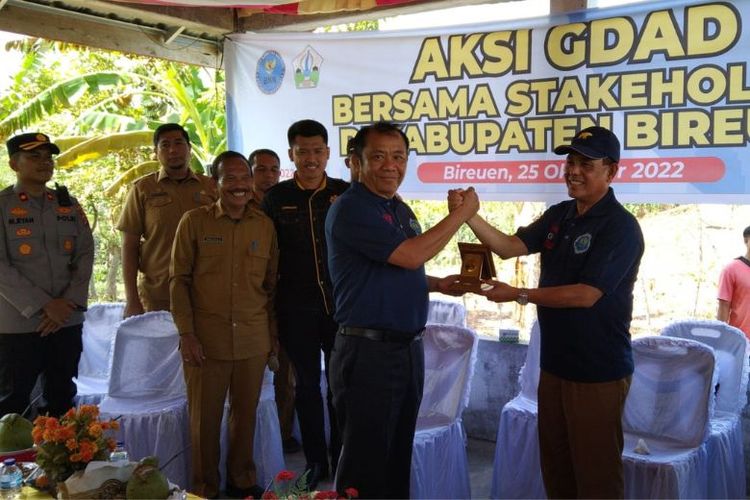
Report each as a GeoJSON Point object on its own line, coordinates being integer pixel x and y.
{"type": "Point", "coordinates": [152, 210]}
{"type": "Point", "coordinates": [47, 253]}
{"type": "Point", "coordinates": [223, 275]}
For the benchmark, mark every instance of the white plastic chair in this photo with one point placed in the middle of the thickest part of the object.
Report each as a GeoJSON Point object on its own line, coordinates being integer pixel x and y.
{"type": "Point", "coordinates": [439, 467]}
{"type": "Point", "coordinates": [268, 452]}
{"type": "Point", "coordinates": [669, 407]}
{"type": "Point", "coordinates": [446, 313]}
{"type": "Point", "coordinates": [726, 457]}
{"type": "Point", "coordinates": [517, 471]}
{"type": "Point", "coordinates": [147, 390]}
{"type": "Point", "coordinates": [99, 328]}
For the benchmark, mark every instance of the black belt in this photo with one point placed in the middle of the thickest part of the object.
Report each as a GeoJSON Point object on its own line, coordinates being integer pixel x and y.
{"type": "Point", "coordinates": [381, 335]}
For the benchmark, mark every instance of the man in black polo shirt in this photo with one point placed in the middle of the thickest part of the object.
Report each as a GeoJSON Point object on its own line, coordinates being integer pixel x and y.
{"type": "Point", "coordinates": [590, 248]}
{"type": "Point", "coordinates": [304, 298]}
{"type": "Point", "coordinates": [376, 254]}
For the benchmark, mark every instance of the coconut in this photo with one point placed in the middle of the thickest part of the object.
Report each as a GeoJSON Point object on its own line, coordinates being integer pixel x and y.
{"type": "Point", "coordinates": [147, 481]}
{"type": "Point", "coordinates": [15, 433]}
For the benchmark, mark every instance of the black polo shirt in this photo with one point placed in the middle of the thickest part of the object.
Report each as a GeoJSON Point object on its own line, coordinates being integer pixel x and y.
{"type": "Point", "coordinates": [602, 248]}
{"type": "Point", "coordinates": [299, 216]}
{"type": "Point", "coordinates": [363, 230]}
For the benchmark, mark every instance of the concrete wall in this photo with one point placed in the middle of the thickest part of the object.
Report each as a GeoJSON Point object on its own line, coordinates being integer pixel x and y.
{"type": "Point", "coordinates": [495, 383]}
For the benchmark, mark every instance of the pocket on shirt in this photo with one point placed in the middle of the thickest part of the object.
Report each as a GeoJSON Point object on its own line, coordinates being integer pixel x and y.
{"type": "Point", "coordinates": [156, 206]}
{"type": "Point", "coordinates": [211, 258]}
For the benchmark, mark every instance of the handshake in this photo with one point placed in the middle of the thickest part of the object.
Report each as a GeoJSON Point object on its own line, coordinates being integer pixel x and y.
{"type": "Point", "coordinates": [464, 202]}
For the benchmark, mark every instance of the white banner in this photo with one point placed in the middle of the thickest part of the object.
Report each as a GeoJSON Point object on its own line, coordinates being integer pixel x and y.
{"type": "Point", "coordinates": [484, 105]}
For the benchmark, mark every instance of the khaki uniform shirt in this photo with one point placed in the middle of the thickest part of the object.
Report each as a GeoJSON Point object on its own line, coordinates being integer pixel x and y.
{"type": "Point", "coordinates": [222, 279]}
{"type": "Point", "coordinates": [152, 210]}
{"type": "Point", "coordinates": [47, 252]}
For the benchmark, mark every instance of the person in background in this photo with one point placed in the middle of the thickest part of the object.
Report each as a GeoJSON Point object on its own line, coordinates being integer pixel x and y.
{"type": "Point", "coordinates": [591, 248]}
{"type": "Point", "coordinates": [304, 302]}
{"type": "Point", "coordinates": [223, 276]}
{"type": "Point", "coordinates": [376, 254]}
{"type": "Point", "coordinates": [734, 290]}
{"type": "Point", "coordinates": [149, 219]}
{"type": "Point", "coordinates": [46, 260]}
{"type": "Point", "coordinates": [353, 168]}
{"type": "Point", "coordinates": [266, 167]}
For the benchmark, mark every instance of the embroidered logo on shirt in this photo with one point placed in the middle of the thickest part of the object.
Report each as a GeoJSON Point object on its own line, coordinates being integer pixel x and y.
{"type": "Point", "coordinates": [68, 245]}
{"type": "Point", "coordinates": [254, 246]}
{"type": "Point", "coordinates": [414, 224]}
{"type": "Point", "coordinates": [24, 249]}
{"type": "Point", "coordinates": [19, 212]}
{"type": "Point", "coordinates": [582, 243]}
{"type": "Point", "coordinates": [213, 240]}
{"type": "Point", "coordinates": [388, 218]}
{"type": "Point", "coordinates": [549, 243]}
{"type": "Point", "coordinates": [23, 197]}
{"type": "Point", "coordinates": [63, 210]}
{"type": "Point", "coordinates": [23, 232]}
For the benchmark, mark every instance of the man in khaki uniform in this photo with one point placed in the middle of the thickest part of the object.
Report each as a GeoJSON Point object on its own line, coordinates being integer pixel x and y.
{"type": "Point", "coordinates": [153, 209]}
{"type": "Point", "coordinates": [223, 275]}
{"type": "Point", "coordinates": [46, 258]}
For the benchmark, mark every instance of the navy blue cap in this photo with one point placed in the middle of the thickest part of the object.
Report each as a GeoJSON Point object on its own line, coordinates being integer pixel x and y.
{"type": "Point", "coordinates": [29, 142]}
{"type": "Point", "coordinates": [596, 143]}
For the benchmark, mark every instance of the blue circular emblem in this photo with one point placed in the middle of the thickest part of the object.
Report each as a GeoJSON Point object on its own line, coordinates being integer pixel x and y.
{"type": "Point", "coordinates": [270, 72]}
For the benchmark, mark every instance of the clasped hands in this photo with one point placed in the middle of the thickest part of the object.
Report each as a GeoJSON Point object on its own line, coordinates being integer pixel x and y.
{"type": "Point", "coordinates": [55, 314]}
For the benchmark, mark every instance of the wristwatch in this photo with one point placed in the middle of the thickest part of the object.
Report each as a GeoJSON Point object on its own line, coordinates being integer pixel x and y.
{"type": "Point", "coordinates": [523, 297]}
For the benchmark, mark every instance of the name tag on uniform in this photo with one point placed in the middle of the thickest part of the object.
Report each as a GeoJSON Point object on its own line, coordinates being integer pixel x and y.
{"type": "Point", "coordinates": [213, 240]}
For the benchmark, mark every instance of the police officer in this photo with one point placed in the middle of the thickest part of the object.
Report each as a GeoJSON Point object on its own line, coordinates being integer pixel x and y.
{"type": "Point", "coordinates": [46, 261]}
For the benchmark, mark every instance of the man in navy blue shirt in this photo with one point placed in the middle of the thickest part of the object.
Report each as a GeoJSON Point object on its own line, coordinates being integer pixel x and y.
{"type": "Point", "coordinates": [590, 249]}
{"type": "Point", "coordinates": [376, 255]}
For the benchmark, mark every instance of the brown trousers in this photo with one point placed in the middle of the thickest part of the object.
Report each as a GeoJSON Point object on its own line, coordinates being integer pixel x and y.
{"type": "Point", "coordinates": [207, 388]}
{"type": "Point", "coordinates": [580, 437]}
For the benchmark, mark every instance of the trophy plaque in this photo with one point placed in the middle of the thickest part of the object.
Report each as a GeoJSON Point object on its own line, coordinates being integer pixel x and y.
{"type": "Point", "coordinates": [476, 265]}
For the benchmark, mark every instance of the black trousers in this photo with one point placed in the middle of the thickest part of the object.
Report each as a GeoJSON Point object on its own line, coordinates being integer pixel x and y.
{"type": "Point", "coordinates": [303, 334]}
{"type": "Point", "coordinates": [25, 356]}
{"type": "Point", "coordinates": [377, 387]}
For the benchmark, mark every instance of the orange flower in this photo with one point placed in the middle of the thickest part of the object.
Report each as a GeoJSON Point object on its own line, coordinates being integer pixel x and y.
{"type": "Point", "coordinates": [71, 444]}
{"type": "Point", "coordinates": [75, 457]}
{"type": "Point", "coordinates": [69, 414]}
{"type": "Point", "coordinates": [95, 429]}
{"type": "Point", "coordinates": [285, 475]}
{"type": "Point", "coordinates": [42, 481]}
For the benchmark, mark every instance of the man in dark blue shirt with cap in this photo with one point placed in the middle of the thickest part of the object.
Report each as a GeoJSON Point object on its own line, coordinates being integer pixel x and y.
{"type": "Point", "coordinates": [590, 249]}
{"type": "Point", "coordinates": [376, 254]}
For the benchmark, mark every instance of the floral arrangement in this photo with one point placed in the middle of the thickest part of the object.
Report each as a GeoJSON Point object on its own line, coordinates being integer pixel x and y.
{"type": "Point", "coordinates": [68, 444]}
{"type": "Point", "coordinates": [285, 487]}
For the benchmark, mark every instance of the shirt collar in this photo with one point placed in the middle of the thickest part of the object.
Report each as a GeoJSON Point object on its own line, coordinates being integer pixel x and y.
{"type": "Point", "coordinates": [218, 210]}
{"type": "Point", "coordinates": [599, 208]}
{"type": "Point", "coordinates": [163, 175]}
{"type": "Point", "coordinates": [322, 185]}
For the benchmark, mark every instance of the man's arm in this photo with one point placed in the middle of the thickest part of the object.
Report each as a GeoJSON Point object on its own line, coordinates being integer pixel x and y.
{"type": "Point", "coordinates": [505, 246]}
{"type": "Point", "coordinates": [130, 250]}
{"type": "Point", "coordinates": [180, 283]}
{"type": "Point", "coordinates": [722, 312]}
{"type": "Point", "coordinates": [414, 252]}
{"type": "Point", "coordinates": [576, 295]}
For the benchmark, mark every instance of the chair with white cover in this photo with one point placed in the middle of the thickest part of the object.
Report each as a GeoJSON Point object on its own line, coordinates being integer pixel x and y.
{"type": "Point", "coordinates": [725, 444]}
{"type": "Point", "coordinates": [99, 328]}
{"type": "Point", "coordinates": [517, 471]}
{"type": "Point", "coordinates": [439, 467]}
{"type": "Point", "coordinates": [147, 390]}
{"type": "Point", "coordinates": [446, 312]}
{"type": "Point", "coordinates": [668, 410]}
{"type": "Point", "coordinates": [268, 452]}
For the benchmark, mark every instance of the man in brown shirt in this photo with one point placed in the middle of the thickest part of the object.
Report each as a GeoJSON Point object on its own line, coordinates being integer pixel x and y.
{"type": "Point", "coordinates": [222, 277]}
{"type": "Point", "coordinates": [153, 208]}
